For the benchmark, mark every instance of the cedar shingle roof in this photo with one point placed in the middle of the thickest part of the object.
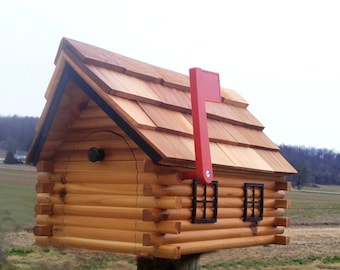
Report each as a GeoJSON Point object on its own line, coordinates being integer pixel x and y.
{"type": "Point", "coordinates": [155, 102]}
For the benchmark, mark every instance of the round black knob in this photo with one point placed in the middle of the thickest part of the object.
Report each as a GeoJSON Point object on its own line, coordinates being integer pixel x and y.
{"type": "Point", "coordinates": [94, 154]}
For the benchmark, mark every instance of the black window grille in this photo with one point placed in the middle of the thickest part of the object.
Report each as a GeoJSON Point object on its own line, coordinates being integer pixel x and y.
{"type": "Point", "coordinates": [253, 202]}
{"type": "Point", "coordinates": [204, 202]}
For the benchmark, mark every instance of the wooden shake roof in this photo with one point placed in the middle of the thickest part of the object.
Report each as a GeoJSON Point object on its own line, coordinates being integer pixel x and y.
{"type": "Point", "coordinates": [154, 105]}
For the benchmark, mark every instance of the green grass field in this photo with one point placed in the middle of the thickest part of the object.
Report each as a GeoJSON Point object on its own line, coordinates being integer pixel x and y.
{"type": "Point", "coordinates": [315, 206]}
{"type": "Point", "coordinates": [17, 197]}
{"type": "Point", "coordinates": [311, 207]}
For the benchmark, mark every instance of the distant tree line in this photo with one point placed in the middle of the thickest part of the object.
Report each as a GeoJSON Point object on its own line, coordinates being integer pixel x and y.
{"type": "Point", "coordinates": [319, 166]}
{"type": "Point", "coordinates": [16, 133]}
{"type": "Point", "coordinates": [314, 165]}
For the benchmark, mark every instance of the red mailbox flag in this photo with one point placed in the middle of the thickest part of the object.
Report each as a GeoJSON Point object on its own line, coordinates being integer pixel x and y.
{"type": "Point", "coordinates": [204, 86]}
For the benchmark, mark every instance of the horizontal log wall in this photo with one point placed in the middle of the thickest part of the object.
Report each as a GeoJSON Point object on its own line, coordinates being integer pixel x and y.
{"type": "Point", "coordinates": [97, 205]}
{"type": "Point", "coordinates": [230, 230]}
{"type": "Point", "coordinates": [127, 204]}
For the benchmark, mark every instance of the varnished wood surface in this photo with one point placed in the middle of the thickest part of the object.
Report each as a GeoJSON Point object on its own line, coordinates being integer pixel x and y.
{"type": "Point", "coordinates": [126, 203]}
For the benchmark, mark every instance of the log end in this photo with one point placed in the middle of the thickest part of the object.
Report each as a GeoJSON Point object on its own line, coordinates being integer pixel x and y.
{"type": "Point", "coordinates": [44, 187]}
{"type": "Point", "coordinates": [154, 215]}
{"type": "Point", "coordinates": [282, 221]}
{"type": "Point", "coordinates": [281, 240]}
{"type": "Point", "coordinates": [281, 203]}
{"type": "Point", "coordinates": [42, 230]}
{"type": "Point", "coordinates": [153, 190]}
{"type": "Point", "coordinates": [283, 186]}
{"type": "Point", "coordinates": [45, 166]}
{"type": "Point", "coordinates": [43, 209]}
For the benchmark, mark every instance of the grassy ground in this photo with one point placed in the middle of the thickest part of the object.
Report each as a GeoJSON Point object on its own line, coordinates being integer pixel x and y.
{"type": "Point", "coordinates": [17, 196]}
{"type": "Point", "coordinates": [315, 234]}
{"type": "Point", "coordinates": [315, 206]}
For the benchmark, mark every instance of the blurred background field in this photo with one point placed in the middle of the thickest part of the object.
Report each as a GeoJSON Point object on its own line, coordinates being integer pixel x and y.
{"type": "Point", "coordinates": [17, 197]}
{"type": "Point", "coordinates": [315, 206]}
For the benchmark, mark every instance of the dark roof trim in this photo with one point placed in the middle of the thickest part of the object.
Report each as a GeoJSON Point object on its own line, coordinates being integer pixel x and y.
{"type": "Point", "coordinates": [41, 136]}
{"type": "Point", "coordinates": [70, 73]}
{"type": "Point", "coordinates": [115, 117]}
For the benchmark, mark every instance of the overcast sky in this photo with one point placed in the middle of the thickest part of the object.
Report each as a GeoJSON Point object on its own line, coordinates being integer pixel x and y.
{"type": "Point", "coordinates": [283, 57]}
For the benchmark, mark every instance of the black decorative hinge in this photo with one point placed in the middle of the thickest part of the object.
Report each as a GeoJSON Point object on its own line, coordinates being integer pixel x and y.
{"type": "Point", "coordinates": [204, 201]}
{"type": "Point", "coordinates": [253, 202]}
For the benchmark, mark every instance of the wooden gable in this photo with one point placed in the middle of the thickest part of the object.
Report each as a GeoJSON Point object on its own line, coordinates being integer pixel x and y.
{"type": "Point", "coordinates": [152, 105]}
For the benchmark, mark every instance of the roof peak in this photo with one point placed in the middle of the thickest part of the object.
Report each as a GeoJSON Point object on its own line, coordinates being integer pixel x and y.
{"type": "Point", "coordinates": [94, 55]}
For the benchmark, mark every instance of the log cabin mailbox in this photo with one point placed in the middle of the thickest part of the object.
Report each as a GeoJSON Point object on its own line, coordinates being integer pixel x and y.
{"type": "Point", "coordinates": [116, 150]}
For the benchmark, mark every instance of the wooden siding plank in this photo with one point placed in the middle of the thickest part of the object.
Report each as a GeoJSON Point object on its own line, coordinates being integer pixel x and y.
{"type": "Point", "coordinates": [92, 112]}
{"type": "Point", "coordinates": [170, 146]}
{"type": "Point", "coordinates": [92, 54]}
{"type": "Point", "coordinates": [278, 163]}
{"type": "Point", "coordinates": [210, 245]}
{"type": "Point", "coordinates": [182, 148]}
{"type": "Point", "coordinates": [98, 211]}
{"type": "Point", "coordinates": [157, 215]}
{"type": "Point", "coordinates": [167, 119]}
{"type": "Point", "coordinates": [222, 111]}
{"type": "Point", "coordinates": [113, 135]}
{"type": "Point", "coordinates": [132, 112]}
{"type": "Point", "coordinates": [172, 96]}
{"type": "Point", "coordinates": [232, 97]}
{"type": "Point", "coordinates": [129, 85]}
{"type": "Point", "coordinates": [96, 233]}
{"type": "Point", "coordinates": [84, 143]}
{"type": "Point", "coordinates": [185, 189]}
{"type": "Point", "coordinates": [256, 137]}
{"type": "Point", "coordinates": [110, 223]}
{"type": "Point", "coordinates": [92, 123]}
{"type": "Point", "coordinates": [108, 167]}
{"type": "Point", "coordinates": [107, 59]}
{"type": "Point", "coordinates": [193, 236]}
{"type": "Point", "coordinates": [218, 156]}
{"type": "Point", "coordinates": [246, 117]}
{"type": "Point", "coordinates": [222, 223]}
{"type": "Point", "coordinates": [174, 79]}
{"type": "Point", "coordinates": [96, 188]}
{"type": "Point", "coordinates": [115, 200]}
{"type": "Point", "coordinates": [245, 157]}
{"type": "Point", "coordinates": [118, 154]}
{"type": "Point", "coordinates": [225, 132]}
{"type": "Point", "coordinates": [135, 88]}
{"type": "Point", "coordinates": [105, 177]}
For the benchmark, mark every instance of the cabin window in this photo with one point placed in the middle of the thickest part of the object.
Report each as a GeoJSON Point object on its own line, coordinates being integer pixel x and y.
{"type": "Point", "coordinates": [253, 202]}
{"type": "Point", "coordinates": [204, 202]}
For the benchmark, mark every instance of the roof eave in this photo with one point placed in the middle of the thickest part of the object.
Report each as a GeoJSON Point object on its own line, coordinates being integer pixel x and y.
{"type": "Point", "coordinates": [51, 108]}
{"type": "Point", "coordinates": [47, 117]}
